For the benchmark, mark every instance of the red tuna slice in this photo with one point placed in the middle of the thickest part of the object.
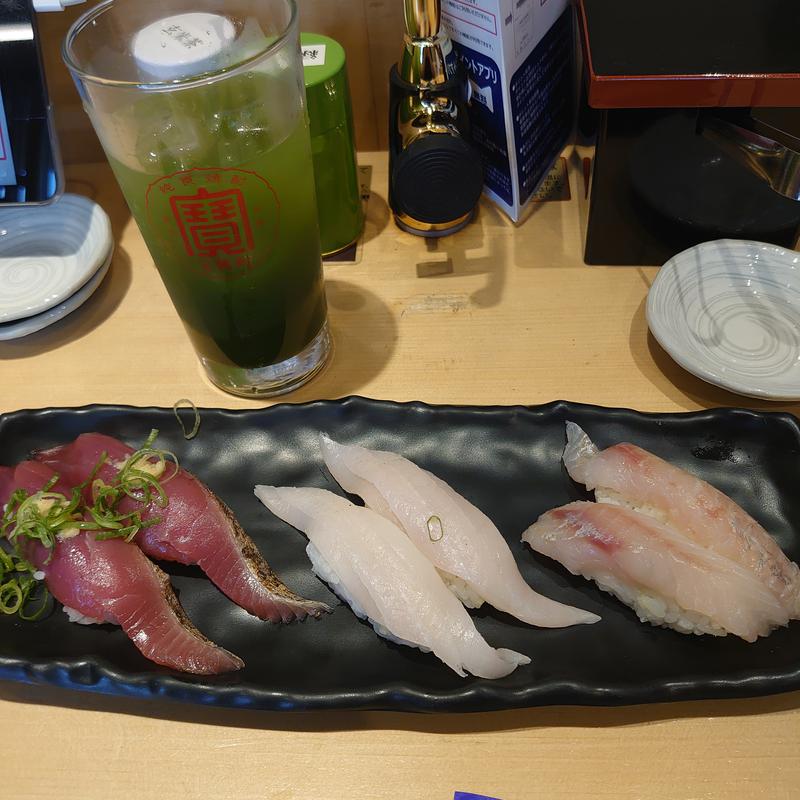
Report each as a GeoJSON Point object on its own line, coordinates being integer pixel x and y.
{"type": "Point", "coordinates": [113, 581]}
{"type": "Point", "coordinates": [196, 528]}
{"type": "Point", "coordinates": [6, 484]}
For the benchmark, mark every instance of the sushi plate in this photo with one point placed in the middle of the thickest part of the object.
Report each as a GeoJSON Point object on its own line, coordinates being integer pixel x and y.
{"type": "Point", "coordinates": [504, 459]}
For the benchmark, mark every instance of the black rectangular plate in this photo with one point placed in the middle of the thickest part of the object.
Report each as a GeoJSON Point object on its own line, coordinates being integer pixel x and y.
{"type": "Point", "coordinates": [504, 459]}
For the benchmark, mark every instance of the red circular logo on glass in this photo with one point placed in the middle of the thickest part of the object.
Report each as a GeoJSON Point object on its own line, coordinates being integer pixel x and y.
{"type": "Point", "coordinates": [223, 221]}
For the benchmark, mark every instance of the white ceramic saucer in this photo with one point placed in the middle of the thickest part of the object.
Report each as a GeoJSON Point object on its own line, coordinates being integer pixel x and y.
{"type": "Point", "coordinates": [48, 252]}
{"type": "Point", "coordinates": [23, 327]}
{"type": "Point", "coordinates": [728, 311]}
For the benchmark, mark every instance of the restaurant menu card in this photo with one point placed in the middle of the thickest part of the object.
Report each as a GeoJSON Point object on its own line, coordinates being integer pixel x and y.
{"type": "Point", "coordinates": [520, 59]}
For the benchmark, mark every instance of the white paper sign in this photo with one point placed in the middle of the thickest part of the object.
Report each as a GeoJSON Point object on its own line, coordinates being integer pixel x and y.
{"type": "Point", "coordinates": [8, 177]}
{"type": "Point", "coordinates": [314, 55]}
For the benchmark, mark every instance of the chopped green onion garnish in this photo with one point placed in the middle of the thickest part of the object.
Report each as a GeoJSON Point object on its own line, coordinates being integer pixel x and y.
{"type": "Point", "coordinates": [435, 528]}
{"type": "Point", "coordinates": [41, 515]}
{"type": "Point", "coordinates": [18, 587]}
{"type": "Point", "coordinates": [196, 427]}
{"type": "Point", "coordinates": [47, 516]}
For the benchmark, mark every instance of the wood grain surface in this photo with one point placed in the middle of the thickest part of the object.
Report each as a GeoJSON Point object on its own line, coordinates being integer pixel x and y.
{"type": "Point", "coordinates": [495, 314]}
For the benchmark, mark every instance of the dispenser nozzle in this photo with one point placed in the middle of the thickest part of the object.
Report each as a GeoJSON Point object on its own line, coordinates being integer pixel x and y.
{"type": "Point", "coordinates": [423, 18]}
{"type": "Point", "coordinates": [423, 62]}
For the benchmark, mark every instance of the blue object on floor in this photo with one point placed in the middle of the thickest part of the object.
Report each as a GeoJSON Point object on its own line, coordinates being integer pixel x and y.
{"type": "Point", "coordinates": [468, 796]}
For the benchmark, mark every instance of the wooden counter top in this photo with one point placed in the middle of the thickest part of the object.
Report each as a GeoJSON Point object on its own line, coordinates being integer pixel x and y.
{"type": "Point", "coordinates": [495, 314]}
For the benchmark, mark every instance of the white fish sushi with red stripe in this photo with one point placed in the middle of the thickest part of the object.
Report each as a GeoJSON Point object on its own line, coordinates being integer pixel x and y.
{"type": "Point", "coordinates": [664, 576]}
{"type": "Point", "coordinates": [625, 474]}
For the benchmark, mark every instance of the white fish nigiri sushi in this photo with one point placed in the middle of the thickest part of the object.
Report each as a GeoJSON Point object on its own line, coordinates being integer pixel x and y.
{"type": "Point", "coordinates": [463, 544]}
{"type": "Point", "coordinates": [377, 571]}
{"type": "Point", "coordinates": [667, 579]}
{"type": "Point", "coordinates": [626, 475]}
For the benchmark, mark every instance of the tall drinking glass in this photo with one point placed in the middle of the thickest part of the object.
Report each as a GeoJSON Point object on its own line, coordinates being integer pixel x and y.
{"type": "Point", "coordinates": [199, 105]}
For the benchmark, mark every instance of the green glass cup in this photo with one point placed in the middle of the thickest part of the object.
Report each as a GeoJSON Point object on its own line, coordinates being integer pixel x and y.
{"type": "Point", "coordinates": [199, 106]}
{"type": "Point", "coordinates": [340, 211]}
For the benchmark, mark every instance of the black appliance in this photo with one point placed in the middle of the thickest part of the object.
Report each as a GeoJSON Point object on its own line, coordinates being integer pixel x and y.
{"type": "Point", "coordinates": [435, 174]}
{"type": "Point", "coordinates": [693, 109]}
{"type": "Point", "coordinates": [30, 165]}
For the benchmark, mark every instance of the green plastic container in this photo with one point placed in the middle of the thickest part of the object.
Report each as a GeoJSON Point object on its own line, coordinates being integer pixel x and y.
{"type": "Point", "coordinates": [341, 215]}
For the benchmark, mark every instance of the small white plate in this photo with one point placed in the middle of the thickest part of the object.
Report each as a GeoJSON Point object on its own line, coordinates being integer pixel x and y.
{"type": "Point", "coordinates": [23, 327]}
{"type": "Point", "coordinates": [48, 252]}
{"type": "Point", "coordinates": [728, 311]}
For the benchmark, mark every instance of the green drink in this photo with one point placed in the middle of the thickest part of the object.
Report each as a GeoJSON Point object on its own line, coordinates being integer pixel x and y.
{"type": "Point", "coordinates": [217, 172]}
{"type": "Point", "coordinates": [238, 251]}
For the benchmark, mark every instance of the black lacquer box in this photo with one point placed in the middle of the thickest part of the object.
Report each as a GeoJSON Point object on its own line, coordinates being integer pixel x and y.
{"type": "Point", "coordinates": [689, 128]}
{"type": "Point", "coordinates": [30, 164]}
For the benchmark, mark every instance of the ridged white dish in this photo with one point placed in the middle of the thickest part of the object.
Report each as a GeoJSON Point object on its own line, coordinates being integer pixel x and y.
{"type": "Point", "coordinates": [728, 311]}
{"type": "Point", "coordinates": [48, 252]}
{"type": "Point", "coordinates": [24, 327]}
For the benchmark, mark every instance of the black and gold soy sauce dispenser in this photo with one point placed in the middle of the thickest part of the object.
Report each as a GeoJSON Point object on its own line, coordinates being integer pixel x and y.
{"type": "Point", "coordinates": [435, 174]}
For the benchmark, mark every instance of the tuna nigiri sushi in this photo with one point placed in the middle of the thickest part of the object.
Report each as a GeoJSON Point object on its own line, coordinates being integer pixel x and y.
{"type": "Point", "coordinates": [667, 579]}
{"type": "Point", "coordinates": [470, 553]}
{"type": "Point", "coordinates": [625, 474]}
{"type": "Point", "coordinates": [196, 527]}
{"type": "Point", "coordinates": [6, 485]}
{"type": "Point", "coordinates": [113, 581]}
{"type": "Point", "coordinates": [371, 564]}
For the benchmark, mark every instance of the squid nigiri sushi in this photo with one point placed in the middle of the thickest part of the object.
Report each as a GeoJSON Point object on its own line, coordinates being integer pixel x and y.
{"type": "Point", "coordinates": [625, 474]}
{"type": "Point", "coordinates": [666, 578]}
{"type": "Point", "coordinates": [371, 564]}
{"type": "Point", "coordinates": [113, 581]}
{"type": "Point", "coordinates": [196, 527]}
{"type": "Point", "coordinates": [464, 545]}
